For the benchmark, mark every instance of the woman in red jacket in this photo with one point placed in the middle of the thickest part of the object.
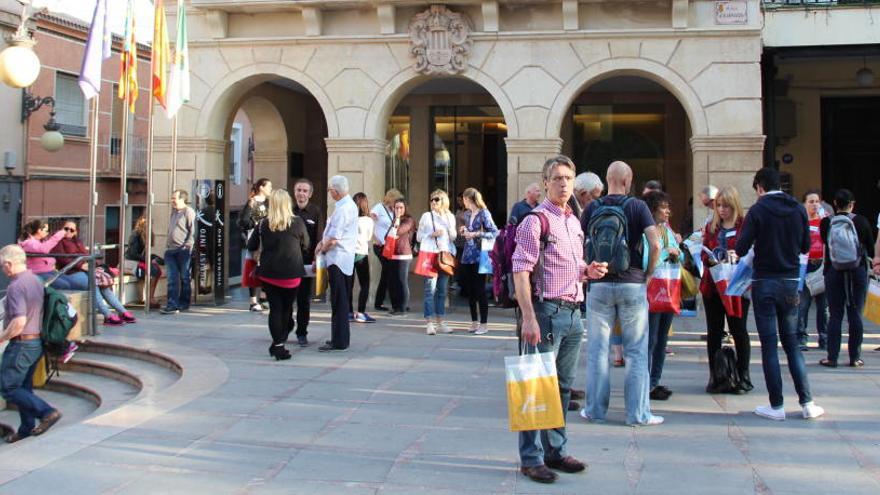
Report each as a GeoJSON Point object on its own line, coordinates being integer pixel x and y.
{"type": "Point", "coordinates": [719, 237]}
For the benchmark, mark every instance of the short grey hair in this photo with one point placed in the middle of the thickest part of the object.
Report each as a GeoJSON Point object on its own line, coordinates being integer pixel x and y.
{"type": "Point", "coordinates": [339, 183]}
{"type": "Point", "coordinates": [710, 191]}
{"type": "Point", "coordinates": [13, 253]}
{"type": "Point", "coordinates": [588, 181]}
{"type": "Point", "coordinates": [558, 160]}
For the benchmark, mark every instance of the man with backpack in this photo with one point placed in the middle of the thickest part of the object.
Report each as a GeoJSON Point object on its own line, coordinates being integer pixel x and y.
{"type": "Point", "coordinates": [613, 227]}
{"type": "Point", "coordinates": [22, 321]}
{"type": "Point", "coordinates": [778, 228]}
{"type": "Point", "coordinates": [548, 270]}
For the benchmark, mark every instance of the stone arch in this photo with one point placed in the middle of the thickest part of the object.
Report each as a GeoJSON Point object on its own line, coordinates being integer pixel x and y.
{"type": "Point", "coordinates": [644, 68]}
{"type": "Point", "coordinates": [405, 81]}
{"type": "Point", "coordinates": [226, 94]}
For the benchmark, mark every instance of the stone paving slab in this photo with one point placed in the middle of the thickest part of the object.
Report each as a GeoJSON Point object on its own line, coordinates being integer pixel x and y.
{"type": "Point", "coordinates": [406, 413]}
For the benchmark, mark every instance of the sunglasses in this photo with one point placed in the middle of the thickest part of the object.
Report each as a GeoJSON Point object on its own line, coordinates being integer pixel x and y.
{"type": "Point", "coordinates": [435, 200]}
{"type": "Point", "coordinates": [68, 229]}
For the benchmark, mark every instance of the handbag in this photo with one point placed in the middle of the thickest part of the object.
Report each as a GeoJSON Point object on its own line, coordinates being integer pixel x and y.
{"type": "Point", "coordinates": [426, 264]}
{"type": "Point", "coordinates": [102, 278]}
{"type": "Point", "coordinates": [721, 275]}
{"type": "Point", "coordinates": [445, 259]}
{"type": "Point", "coordinates": [815, 281]}
{"type": "Point", "coordinates": [390, 247]}
{"type": "Point", "coordinates": [533, 401]}
{"type": "Point", "coordinates": [486, 266]}
{"type": "Point", "coordinates": [664, 289]}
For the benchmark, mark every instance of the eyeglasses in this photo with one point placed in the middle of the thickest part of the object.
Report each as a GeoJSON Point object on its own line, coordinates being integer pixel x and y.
{"type": "Point", "coordinates": [435, 200]}
{"type": "Point", "coordinates": [68, 229]}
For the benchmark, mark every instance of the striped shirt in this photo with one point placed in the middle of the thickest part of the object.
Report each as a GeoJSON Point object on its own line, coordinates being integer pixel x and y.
{"type": "Point", "coordinates": [564, 265]}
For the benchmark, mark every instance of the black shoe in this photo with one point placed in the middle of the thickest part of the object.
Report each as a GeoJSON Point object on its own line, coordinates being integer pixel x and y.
{"type": "Point", "coordinates": [302, 341]}
{"type": "Point", "coordinates": [746, 384]}
{"type": "Point", "coordinates": [330, 348]}
{"type": "Point", "coordinates": [574, 406]}
{"type": "Point", "coordinates": [658, 393]}
{"type": "Point", "coordinates": [279, 352]}
{"type": "Point", "coordinates": [380, 307]}
{"type": "Point", "coordinates": [577, 394]}
{"type": "Point", "coordinates": [328, 342]}
{"type": "Point", "coordinates": [169, 311]}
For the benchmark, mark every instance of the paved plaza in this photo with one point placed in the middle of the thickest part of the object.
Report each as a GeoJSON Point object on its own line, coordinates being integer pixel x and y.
{"type": "Point", "coordinates": [402, 412]}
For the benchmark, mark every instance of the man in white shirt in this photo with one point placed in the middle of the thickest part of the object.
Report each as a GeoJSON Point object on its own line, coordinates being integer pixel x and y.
{"type": "Point", "coordinates": [383, 214]}
{"type": "Point", "coordinates": [337, 246]}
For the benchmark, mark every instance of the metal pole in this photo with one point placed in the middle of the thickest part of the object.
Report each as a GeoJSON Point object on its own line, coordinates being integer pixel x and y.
{"type": "Point", "coordinates": [93, 203]}
{"type": "Point", "coordinates": [123, 195]}
{"type": "Point", "coordinates": [148, 228]}
{"type": "Point", "coordinates": [173, 181]}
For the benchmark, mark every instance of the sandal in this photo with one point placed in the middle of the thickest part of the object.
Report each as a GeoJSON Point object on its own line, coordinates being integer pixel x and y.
{"type": "Point", "coordinates": [858, 363]}
{"type": "Point", "coordinates": [828, 363]}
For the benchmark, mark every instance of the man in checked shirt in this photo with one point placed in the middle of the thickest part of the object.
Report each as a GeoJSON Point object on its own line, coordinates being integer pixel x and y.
{"type": "Point", "coordinates": [549, 289]}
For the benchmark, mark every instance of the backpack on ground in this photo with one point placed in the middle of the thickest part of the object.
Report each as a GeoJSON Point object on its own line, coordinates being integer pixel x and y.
{"type": "Point", "coordinates": [59, 317]}
{"type": "Point", "coordinates": [607, 235]}
{"type": "Point", "coordinates": [502, 266]}
{"type": "Point", "coordinates": [725, 372]}
{"type": "Point", "coordinates": [843, 243]}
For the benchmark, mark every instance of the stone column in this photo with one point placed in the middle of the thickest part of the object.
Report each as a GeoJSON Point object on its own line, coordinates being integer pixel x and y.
{"type": "Point", "coordinates": [525, 159]}
{"type": "Point", "coordinates": [725, 161]}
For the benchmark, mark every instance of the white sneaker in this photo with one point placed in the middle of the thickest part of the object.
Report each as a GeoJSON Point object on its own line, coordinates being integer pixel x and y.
{"type": "Point", "coordinates": [444, 328]}
{"type": "Point", "coordinates": [812, 411]}
{"type": "Point", "coordinates": [770, 413]}
{"type": "Point", "coordinates": [474, 327]}
{"type": "Point", "coordinates": [430, 329]}
{"type": "Point", "coordinates": [481, 329]}
{"type": "Point", "coordinates": [654, 420]}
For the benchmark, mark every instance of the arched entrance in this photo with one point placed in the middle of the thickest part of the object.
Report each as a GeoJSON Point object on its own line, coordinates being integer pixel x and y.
{"type": "Point", "coordinates": [636, 120]}
{"type": "Point", "coordinates": [448, 133]}
{"type": "Point", "coordinates": [276, 129]}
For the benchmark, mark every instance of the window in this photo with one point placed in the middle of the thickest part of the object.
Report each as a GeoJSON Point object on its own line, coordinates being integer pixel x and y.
{"type": "Point", "coordinates": [70, 105]}
{"type": "Point", "coordinates": [235, 155]}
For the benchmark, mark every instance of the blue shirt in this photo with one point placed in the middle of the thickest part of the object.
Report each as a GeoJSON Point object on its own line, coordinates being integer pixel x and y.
{"type": "Point", "coordinates": [481, 222]}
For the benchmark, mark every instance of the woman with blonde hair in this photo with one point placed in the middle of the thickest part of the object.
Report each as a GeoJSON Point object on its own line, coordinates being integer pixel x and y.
{"type": "Point", "coordinates": [282, 238]}
{"type": "Point", "coordinates": [437, 234]}
{"type": "Point", "coordinates": [478, 226]}
{"type": "Point", "coordinates": [719, 237]}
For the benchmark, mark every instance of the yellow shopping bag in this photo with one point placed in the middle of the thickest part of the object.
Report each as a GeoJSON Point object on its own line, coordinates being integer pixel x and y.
{"type": "Point", "coordinates": [533, 400]}
{"type": "Point", "coordinates": [872, 301]}
{"type": "Point", "coordinates": [320, 276]}
{"type": "Point", "coordinates": [689, 286]}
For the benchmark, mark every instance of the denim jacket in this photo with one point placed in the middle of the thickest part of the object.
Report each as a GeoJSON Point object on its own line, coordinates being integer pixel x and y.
{"type": "Point", "coordinates": [481, 223]}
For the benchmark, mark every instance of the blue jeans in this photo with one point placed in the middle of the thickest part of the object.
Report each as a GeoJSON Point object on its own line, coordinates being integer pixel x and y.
{"type": "Point", "coordinates": [435, 295]}
{"type": "Point", "coordinates": [658, 336]}
{"type": "Point", "coordinates": [68, 281]}
{"type": "Point", "coordinates": [177, 266]}
{"type": "Point", "coordinates": [105, 296]}
{"type": "Point", "coordinates": [775, 302]}
{"type": "Point", "coordinates": [16, 374]}
{"type": "Point", "coordinates": [399, 284]}
{"type": "Point", "coordinates": [821, 314]}
{"type": "Point", "coordinates": [561, 333]}
{"type": "Point", "coordinates": [606, 303]}
{"type": "Point", "coordinates": [846, 291]}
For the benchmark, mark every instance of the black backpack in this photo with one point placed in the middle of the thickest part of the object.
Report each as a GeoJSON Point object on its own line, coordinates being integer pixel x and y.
{"type": "Point", "coordinates": [726, 374]}
{"type": "Point", "coordinates": [607, 235]}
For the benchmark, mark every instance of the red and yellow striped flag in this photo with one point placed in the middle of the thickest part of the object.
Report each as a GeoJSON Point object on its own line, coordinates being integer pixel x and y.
{"type": "Point", "coordinates": [128, 83]}
{"type": "Point", "coordinates": [160, 56]}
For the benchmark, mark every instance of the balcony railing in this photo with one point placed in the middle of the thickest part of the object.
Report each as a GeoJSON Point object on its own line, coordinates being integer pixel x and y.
{"type": "Point", "coordinates": [137, 155]}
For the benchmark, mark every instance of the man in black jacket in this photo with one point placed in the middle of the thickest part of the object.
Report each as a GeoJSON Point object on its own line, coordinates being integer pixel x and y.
{"type": "Point", "coordinates": [777, 225]}
{"type": "Point", "coordinates": [302, 192]}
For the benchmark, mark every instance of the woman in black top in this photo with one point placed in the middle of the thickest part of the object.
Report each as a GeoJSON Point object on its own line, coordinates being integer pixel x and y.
{"type": "Point", "coordinates": [254, 211]}
{"type": "Point", "coordinates": [846, 289]}
{"type": "Point", "coordinates": [135, 259]}
{"type": "Point", "coordinates": [283, 239]}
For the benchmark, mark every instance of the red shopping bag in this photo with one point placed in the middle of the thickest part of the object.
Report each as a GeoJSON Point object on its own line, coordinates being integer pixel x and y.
{"type": "Point", "coordinates": [249, 274]}
{"type": "Point", "coordinates": [426, 264]}
{"type": "Point", "coordinates": [721, 275]}
{"type": "Point", "coordinates": [664, 290]}
{"type": "Point", "coordinates": [390, 247]}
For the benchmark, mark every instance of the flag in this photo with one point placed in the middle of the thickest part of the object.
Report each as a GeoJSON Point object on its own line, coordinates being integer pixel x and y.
{"type": "Point", "coordinates": [128, 83]}
{"type": "Point", "coordinates": [98, 49]}
{"type": "Point", "coordinates": [178, 86]}
{"type": "Point", "coordinates": [159, 58]}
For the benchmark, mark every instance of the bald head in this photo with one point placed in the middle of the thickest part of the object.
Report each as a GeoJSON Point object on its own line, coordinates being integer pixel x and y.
{"type": "Point", "coordinates": [619, 178]}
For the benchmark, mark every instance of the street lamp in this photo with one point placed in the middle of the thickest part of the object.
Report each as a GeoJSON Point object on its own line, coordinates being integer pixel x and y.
{"type": "Point", "coordinates": [52, 140]}
{"type": "Point", "coordinates": [19, 65]}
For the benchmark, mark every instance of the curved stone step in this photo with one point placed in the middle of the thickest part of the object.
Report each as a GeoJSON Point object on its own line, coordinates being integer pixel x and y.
{"type": "Point", "coordinates": [151, 376]}
{"type": "Point", "coordinates": [91, 346]}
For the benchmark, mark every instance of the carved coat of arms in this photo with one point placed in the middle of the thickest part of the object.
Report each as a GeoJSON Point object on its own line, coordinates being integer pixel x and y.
{"type": "Point", "coordinates": [440, 41]}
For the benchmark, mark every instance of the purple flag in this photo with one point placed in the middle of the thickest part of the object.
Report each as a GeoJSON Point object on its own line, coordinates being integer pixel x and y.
{"type": "Point", "coordinates": [98, 48]}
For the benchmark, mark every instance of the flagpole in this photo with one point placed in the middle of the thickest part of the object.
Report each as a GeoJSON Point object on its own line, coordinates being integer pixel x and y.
{"type": "Point", "coordinates": [123, 193]}
{"type": "Point", "coordinates": [173, 154]}
{"type": "Point", "coordinates": [148, 228]}
{"type": "Point", "coordinates": [93, 174]}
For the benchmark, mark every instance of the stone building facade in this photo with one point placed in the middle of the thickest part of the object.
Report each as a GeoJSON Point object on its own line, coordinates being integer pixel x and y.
{"type": "Point", "coordinates": [356, 62]}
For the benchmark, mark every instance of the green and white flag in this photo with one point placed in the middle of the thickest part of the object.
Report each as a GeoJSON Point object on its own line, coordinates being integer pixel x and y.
{"type": "Point", "coordinates": [178, 87]}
